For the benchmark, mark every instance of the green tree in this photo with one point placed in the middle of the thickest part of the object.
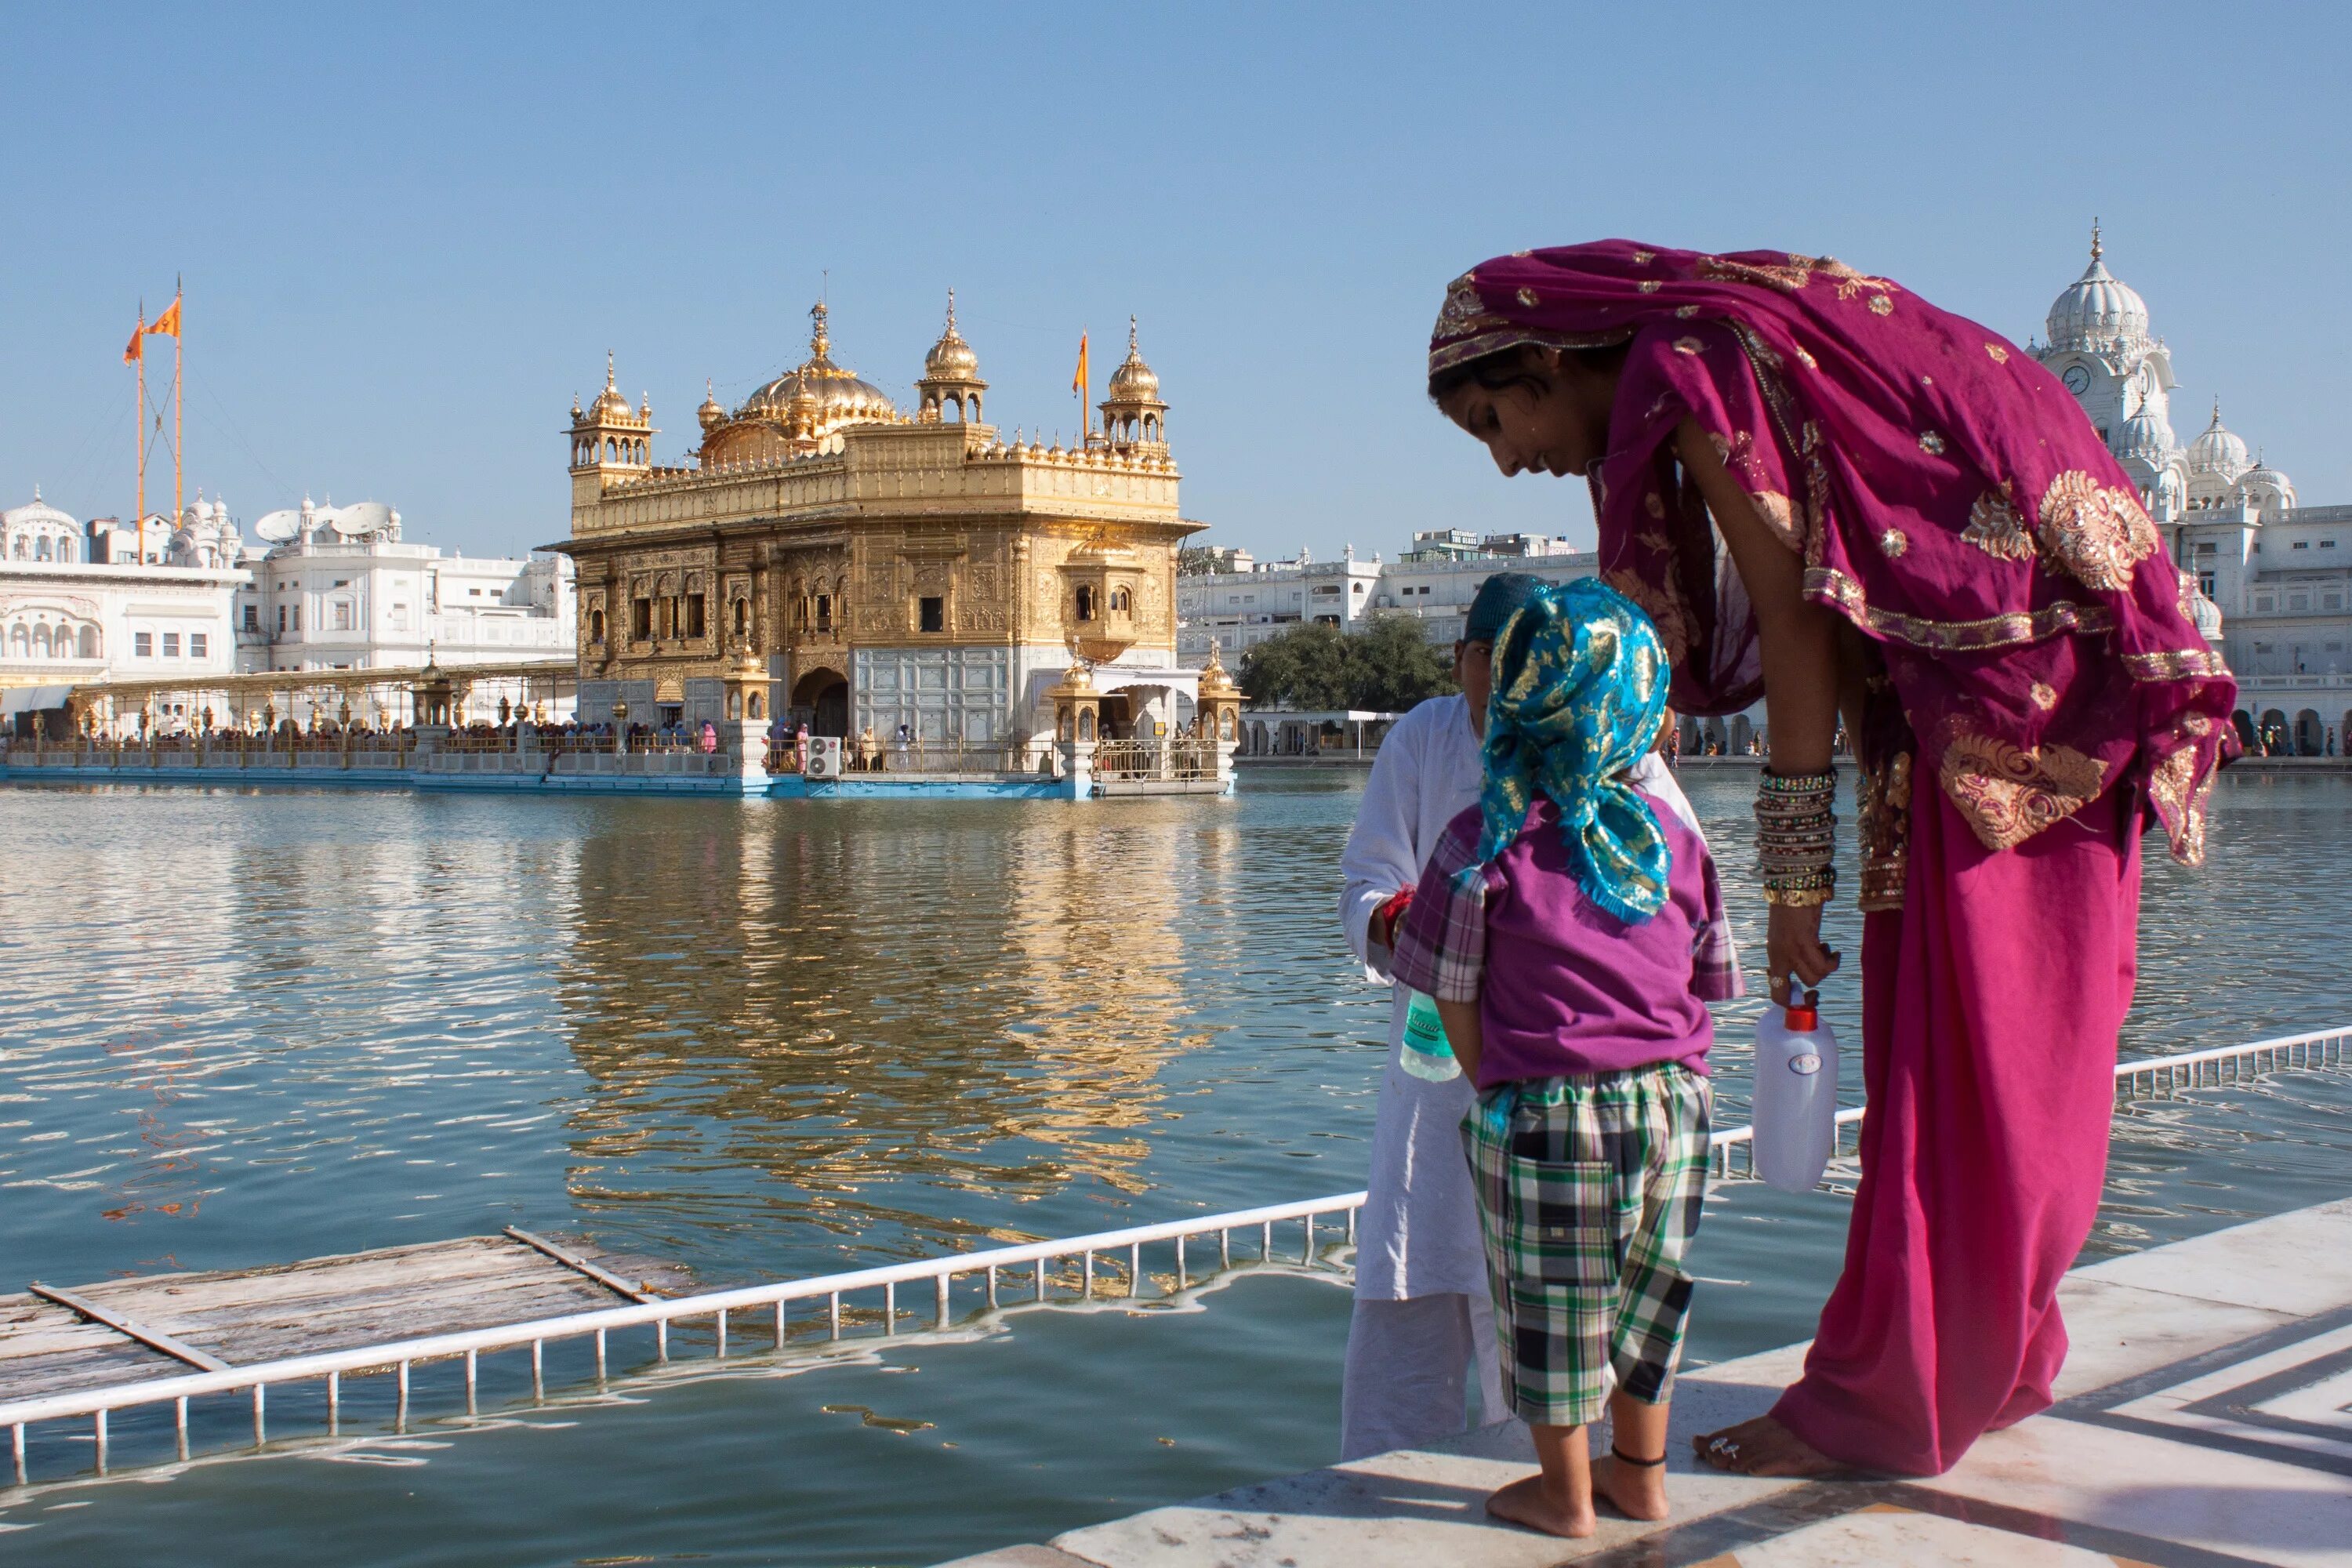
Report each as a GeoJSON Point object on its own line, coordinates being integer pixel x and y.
{"type": "Point", "coordinates": [1386, 668]}
{"type": "Point", "coordinates": [1308, 667]}
{"type": "Point", "coordinates": [1392, 665]}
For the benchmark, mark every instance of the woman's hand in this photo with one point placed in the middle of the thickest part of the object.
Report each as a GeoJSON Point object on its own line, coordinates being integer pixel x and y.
{"type": "Point", "coordinates": [1792, 942]}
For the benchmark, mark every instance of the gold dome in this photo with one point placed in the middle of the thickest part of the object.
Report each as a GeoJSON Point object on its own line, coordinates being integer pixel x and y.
{"type": "Point", "coordinates": [711, 414]}
{"type": "Point", "coordinates": [610, 406]}
{"type": "Point", "coordinates": [1133, 381]}
{"type": "Point", "coordinates": [840, 397]}
{"type": "Point", "coordinates": [952, 358]}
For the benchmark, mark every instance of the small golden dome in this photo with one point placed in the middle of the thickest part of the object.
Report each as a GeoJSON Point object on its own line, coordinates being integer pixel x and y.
{"type": "Point", "coordinates": [711, 414]}
{"type": "Point", "coordinates": [952, 358]}
{"type": "Point", "coordinates": [610, 405]}
{"type": "Point", "coordinates": [1133, 381]}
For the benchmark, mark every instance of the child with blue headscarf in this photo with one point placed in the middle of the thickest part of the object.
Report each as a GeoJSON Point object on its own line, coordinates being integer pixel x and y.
{"type": "Point", "coordinates": [1572, 930]}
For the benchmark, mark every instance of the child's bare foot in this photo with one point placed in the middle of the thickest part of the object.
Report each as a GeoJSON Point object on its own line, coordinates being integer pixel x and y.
{"type": "Point", "coordinates": [1764, 1447]}
{"type": "Point", "coordinates": [1532, 1503]}
{"type": "Point", "coordinates": [1638, 1491]}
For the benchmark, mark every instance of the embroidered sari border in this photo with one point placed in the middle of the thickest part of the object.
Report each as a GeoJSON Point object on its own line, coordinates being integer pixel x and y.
{"type": "Point", "coordinates": [2175, 664]}
{"type": "Point", "coordinates": [1504, 338]}
{"type": "Point", "coordinates": [1827, 583]}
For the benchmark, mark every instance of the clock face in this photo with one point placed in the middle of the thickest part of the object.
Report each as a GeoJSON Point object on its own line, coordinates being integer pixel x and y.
{"type": "Point", "coordinates": [2078, 379]}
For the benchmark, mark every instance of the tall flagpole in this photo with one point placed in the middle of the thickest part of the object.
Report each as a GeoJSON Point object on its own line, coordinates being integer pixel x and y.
{"type": "Point", "coordinates": [139, 341]}
{"type": "Point", "coordinates": [179, 346]}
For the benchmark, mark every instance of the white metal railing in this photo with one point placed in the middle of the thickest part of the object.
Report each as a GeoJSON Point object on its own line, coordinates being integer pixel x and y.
{"type": "Point", "coordinates": [720, 1306]}
{"type": "Point", "coordinates": [2152, 1076]}
{"type": "Point", "coordinates": [1731, 1152]}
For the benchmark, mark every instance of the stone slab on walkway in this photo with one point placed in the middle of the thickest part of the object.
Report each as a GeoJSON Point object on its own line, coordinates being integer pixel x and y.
{"type": "Point", "coordinates": [2204, 1418]}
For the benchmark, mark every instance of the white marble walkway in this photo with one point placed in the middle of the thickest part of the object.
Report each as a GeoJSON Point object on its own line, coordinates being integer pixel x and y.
{"type": "Point", "coordinates": [2204, 1419]}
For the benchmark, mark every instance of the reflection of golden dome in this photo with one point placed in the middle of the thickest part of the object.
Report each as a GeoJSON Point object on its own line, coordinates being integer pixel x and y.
{"type": "Point", "coordinates": [839, 396]}
{"type": "Point", "coordinates": [1133, 381]}
{"type": "Point", "coordinates": [952, 358]}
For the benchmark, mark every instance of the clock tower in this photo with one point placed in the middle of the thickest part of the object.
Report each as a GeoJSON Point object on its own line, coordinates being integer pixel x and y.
{"type": "Point", "coordinates": [2101, 351]}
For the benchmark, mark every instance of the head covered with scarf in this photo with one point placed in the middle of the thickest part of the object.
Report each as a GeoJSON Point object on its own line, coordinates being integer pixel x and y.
{"type": "Point", "coordinates": [1580, 692]}
{"type": "Point", "coordinates": [1948, 497]}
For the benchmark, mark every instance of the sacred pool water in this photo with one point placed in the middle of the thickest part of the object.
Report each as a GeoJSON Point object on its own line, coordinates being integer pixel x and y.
{"type": "Point", "coordinates": [773, 1039]}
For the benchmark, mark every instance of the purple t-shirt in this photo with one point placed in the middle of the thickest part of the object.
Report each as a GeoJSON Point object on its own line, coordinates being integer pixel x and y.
{"type": "Point", "coordinates": [1564, 989]}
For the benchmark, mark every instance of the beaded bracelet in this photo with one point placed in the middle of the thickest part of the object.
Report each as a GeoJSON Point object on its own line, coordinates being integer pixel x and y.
{"type": "Point", "coordinates": [1796, 838]}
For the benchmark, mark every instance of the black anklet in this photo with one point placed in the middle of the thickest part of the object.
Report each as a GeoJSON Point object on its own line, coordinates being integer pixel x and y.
{"type": "Point", "coordinates": [1623, 1457]}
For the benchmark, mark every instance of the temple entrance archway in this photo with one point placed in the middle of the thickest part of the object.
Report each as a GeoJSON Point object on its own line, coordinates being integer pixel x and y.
{"type": "Point", "coordinates": [2310, 735]}
{"type": "Point", "coordinates": [826, 695]}
{"type": "Point", "coordinates": [2272, 727]}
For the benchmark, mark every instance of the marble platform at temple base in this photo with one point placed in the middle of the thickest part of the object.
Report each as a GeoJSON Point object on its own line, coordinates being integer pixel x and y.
{"type": "Point", "coordinates": [2204, 1419]}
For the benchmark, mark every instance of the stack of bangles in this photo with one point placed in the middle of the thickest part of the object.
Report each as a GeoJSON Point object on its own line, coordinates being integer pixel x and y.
{"type": "Point", "coordinates": [1796, 838]}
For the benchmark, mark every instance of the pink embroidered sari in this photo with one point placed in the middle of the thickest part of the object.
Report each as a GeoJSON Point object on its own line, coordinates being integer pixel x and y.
{"type": "Point", "coordinates": [1948, 497]}
{"type": "Point", "coordinates": [1953, 503]}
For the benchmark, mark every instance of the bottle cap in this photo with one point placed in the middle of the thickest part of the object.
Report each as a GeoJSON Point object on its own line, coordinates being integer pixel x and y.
{"type": "Point", "coordinates": [1803, 1017]}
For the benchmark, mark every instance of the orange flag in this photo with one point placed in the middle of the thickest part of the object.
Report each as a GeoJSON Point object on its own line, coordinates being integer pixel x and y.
{"type": "Point", "coordinates": [167, 325]}
{"type": "Point", "coordinates": [136, 350]}
{"type": "Point", "coordinates": [1077, 382]}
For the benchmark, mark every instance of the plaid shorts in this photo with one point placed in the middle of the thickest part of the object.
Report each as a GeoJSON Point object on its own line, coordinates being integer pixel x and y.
{"type": "Point", "coordinates": [1588, 1192]}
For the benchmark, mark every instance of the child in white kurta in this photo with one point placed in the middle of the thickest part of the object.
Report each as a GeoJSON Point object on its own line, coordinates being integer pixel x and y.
{"type": "Point", "coordinates": [1422, 1318]}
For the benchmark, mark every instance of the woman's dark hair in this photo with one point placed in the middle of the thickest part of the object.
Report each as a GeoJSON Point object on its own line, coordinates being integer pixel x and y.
{"type": "Point", "coordinates": [1516, 366]}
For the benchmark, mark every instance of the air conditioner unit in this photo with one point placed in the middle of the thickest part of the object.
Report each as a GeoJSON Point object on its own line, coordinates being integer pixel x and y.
{"type": "Point", "coordinates": [823, 757]}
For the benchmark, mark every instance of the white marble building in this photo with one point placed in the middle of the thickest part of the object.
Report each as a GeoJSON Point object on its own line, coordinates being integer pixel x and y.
{"type": "Point", "coordinates": [1433, 582]}
{"type": "Point", "coordinates": [77, 605]}
{"type": "Point", "coordinates": [2275, 575]}
{"type": "Point", "coordinates": [345, 592]}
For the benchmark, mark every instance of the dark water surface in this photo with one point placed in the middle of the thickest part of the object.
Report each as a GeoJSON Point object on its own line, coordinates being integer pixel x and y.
{"type": "Point", "coordinates": [772, 1039]}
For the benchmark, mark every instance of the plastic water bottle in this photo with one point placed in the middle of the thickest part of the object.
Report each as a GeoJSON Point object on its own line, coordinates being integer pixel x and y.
{"type": "Point", "coordinates": [1427, 1053]}
{"type": "Point", "coordinates": [1796, 1095]}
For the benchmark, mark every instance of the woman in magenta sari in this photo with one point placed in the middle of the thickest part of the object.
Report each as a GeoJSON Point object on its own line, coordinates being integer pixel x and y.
{"type": "Point", "coordinates": [1919, 531]}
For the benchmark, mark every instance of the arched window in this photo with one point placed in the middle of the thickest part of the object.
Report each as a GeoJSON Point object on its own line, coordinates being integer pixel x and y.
{"type": "Point", "coordinates": [41, 549]}
{"type": "Point", "coordinates": [40, 642]}
{"type": "Point", "coordinates": [90, 642]}
{"type": "Point", "coordinates": [612, 449]}
{"type": "Point", "coordinates": [742, 615]}
{"type": "Point", "coordinates": [596, 625]}
{"type": "Point", "coordinates": [1085, 603]}
{"type": "Point", "coordinates": [759, 706]}
{"type": "Point", "coordinates": [1121, 601]}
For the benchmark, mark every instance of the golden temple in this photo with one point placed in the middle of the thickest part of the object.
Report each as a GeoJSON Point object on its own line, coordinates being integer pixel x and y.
{"type": "Point", "coordinates": [887, 569]}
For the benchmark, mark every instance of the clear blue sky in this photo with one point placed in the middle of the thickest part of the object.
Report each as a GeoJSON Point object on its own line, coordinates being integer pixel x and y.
{"type": "Point", "coordinates": [409, 238]}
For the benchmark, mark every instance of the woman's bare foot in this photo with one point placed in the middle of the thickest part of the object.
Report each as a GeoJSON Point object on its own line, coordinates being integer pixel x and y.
{"type": "Point", "coordinates": [1531, 1503]}
{"type": "Point", "coordinates": [1763, 1447]}
{"type": "Point", "coordinates": [1638, 1491]}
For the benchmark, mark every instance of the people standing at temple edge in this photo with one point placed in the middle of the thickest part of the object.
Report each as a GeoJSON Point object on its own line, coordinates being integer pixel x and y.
{"type": "Point", "coordinates": [1919, 530]}
{"type": "Point", "coordinates": [1423, 1319]}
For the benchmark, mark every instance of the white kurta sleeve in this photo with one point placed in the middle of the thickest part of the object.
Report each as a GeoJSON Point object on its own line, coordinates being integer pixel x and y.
{"type": "Point", "coordinates": [1381, 855]}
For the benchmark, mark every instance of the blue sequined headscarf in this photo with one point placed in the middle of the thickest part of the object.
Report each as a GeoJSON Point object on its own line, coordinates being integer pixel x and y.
{"type": "Point", "coordinates": [1580, 692]}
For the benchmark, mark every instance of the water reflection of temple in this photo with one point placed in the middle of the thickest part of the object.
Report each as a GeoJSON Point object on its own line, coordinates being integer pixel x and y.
{"type": "Point", "coordinates": [861, 1002]}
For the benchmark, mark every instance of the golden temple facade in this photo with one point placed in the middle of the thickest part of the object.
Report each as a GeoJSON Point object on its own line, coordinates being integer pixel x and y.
{"type": "Point", "coordinates": [888, 569]}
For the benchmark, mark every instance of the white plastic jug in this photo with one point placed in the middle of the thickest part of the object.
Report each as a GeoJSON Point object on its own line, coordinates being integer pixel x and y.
{"type": "Point", "coordinates": [1796, 1095]}
{"type": "Point", "coordinates": [1428, 1054]}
